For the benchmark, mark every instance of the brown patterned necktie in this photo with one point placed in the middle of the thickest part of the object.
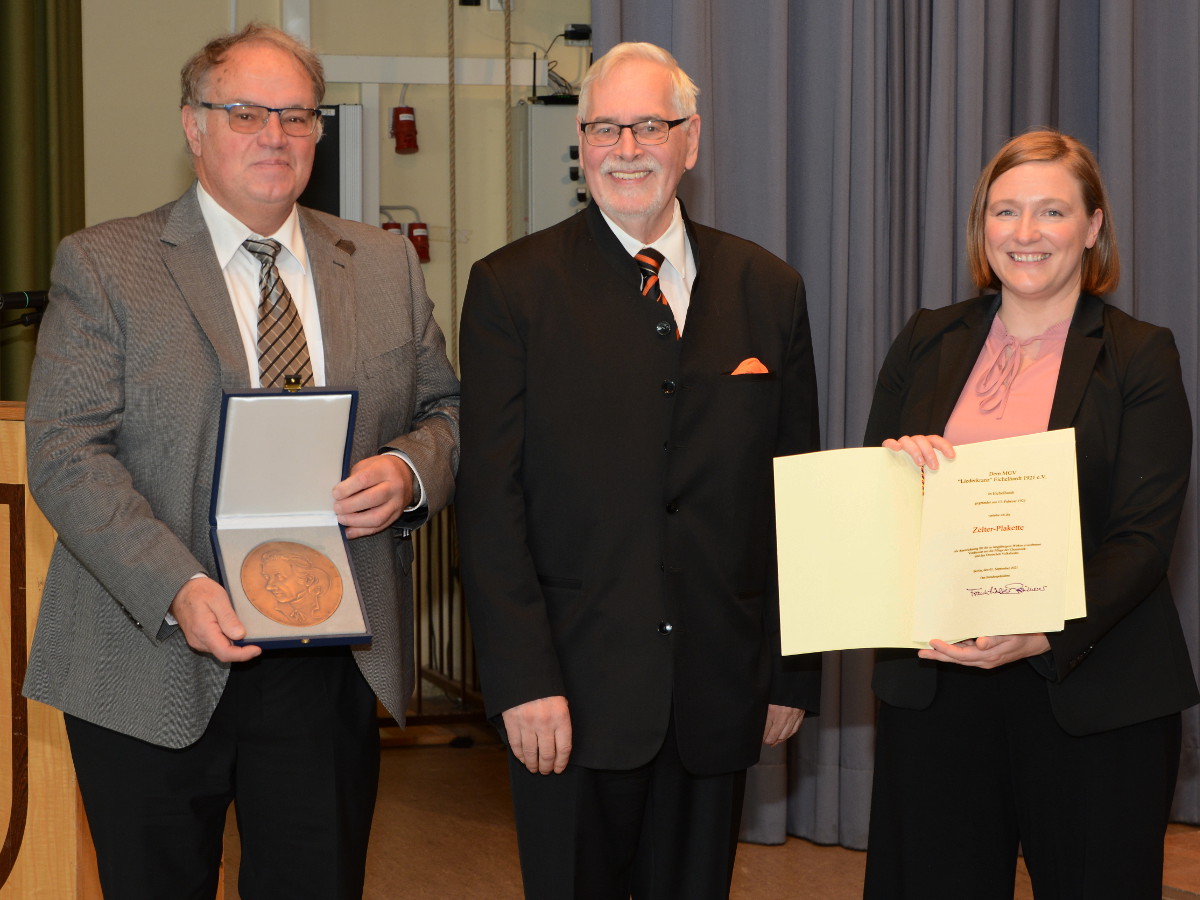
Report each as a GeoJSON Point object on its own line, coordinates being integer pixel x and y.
{"type": "Point", "coordinates": [649, 262]}
{"type": "Point", "coordinates": [282, 349]}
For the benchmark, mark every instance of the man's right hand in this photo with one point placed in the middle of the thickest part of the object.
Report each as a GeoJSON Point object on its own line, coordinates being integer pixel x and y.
{"type": "Point", "coordinates": [206, 616]}
{"type": "Point", "coordinates": [539, 734]}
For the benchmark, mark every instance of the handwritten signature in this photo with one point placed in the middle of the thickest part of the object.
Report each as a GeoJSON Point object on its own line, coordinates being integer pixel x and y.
{"type": "Point", "coordinates": [1015, 588]}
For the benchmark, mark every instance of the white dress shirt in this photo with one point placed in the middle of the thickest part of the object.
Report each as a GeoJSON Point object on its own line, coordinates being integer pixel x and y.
{"type": "Point", "coordinates": [678, 271]}
{"type": "Point", "coordinates": [242, 270]}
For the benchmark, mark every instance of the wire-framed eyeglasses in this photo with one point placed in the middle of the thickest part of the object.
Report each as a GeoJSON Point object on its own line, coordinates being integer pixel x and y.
{"type": "Point", "coordinates": [651, 131]}
{"type": "Point", "coordinates": [247, 118]}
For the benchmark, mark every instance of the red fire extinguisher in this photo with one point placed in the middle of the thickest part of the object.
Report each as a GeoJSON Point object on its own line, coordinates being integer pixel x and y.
{"type": "Point", "coordinates": [418, 233]}
{"type": "Point", "coordinates": [404, 129]}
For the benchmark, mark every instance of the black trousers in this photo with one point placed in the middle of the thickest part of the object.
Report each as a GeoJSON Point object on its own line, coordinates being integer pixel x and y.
{"type": "Point", "coordinates": [294, 741]}
{"type": "Point", "coordinates": [987, 768]}
{"type": "Point", "coordinates": [656, 832]}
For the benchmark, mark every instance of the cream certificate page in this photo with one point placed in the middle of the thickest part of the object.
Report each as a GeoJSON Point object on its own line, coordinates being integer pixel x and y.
{"type": "Point", "coordinates": [868, 557]}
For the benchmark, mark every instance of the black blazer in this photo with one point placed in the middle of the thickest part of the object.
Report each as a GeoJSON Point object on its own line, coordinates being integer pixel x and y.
{"type": "Point", "coordinates": [1120, 388]}
{"type": "Point", "coordinates": [615, 498]}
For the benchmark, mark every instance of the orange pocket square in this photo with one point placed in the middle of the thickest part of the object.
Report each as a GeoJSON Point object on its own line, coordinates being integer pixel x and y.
{"type": "Point", "coordinates": [750, 366]}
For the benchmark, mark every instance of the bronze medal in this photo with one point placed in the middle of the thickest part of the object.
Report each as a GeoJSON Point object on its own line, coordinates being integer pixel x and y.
{"type": "Point", "coordinates": [291, 583]}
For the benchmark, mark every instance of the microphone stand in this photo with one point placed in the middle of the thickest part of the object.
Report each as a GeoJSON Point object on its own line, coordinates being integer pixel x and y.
{"type": "Point", "coordinates": [30, 318]}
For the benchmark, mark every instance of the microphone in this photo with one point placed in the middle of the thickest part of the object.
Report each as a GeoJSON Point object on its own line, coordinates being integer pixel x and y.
{"type": "Point", "coordinates": [23, 300]}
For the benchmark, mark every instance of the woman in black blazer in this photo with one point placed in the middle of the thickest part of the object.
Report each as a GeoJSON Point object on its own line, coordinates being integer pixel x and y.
{"type": "Point", "coordinates": [1064, 744]}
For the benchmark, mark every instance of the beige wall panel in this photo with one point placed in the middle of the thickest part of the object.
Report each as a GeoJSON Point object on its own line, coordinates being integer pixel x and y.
{"type": "Point", "coordinates": [134, 155]}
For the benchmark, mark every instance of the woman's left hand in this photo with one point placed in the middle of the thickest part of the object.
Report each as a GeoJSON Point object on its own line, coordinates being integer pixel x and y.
{"type": "Point", "coordinates": [987, 652]}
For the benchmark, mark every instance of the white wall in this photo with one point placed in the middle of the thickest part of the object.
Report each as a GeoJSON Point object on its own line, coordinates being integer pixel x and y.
{"type": "Point", "coordinates": [134, 153]}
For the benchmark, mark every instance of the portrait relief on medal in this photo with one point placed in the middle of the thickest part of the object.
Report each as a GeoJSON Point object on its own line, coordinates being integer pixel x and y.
{"type": "Point", "coordinates": [291, 583]}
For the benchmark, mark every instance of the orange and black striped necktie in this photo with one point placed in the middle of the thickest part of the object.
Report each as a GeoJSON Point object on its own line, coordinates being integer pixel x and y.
{"type": "Point", "coordinates": [649, 262]}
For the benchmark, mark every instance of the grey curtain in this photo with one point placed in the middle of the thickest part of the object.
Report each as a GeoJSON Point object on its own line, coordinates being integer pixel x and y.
{"type": "Point", "coordinates": [846, 136]}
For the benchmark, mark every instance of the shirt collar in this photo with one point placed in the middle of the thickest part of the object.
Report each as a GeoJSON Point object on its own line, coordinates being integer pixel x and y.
{"type": "Point", "coordinates": [228, 232]}
{"type": "Point", "coordinates": [673, 243]}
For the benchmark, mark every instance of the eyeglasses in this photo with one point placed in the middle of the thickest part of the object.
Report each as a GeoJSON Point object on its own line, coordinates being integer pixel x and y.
{"type": "Point", "coordinates": [245, 118]}
{"type": "Point", "coordinates": [652, 131]}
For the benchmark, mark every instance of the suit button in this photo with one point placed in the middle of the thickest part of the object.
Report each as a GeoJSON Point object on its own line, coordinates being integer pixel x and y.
{"type": "Point", "coordinates": [663, 329]}
{"type": "Point", "coordinates": [668, 387]}
{"type": "Point", "coordinates": [665, 627]}
{"type": "Point", "coordinates": [673, 506]}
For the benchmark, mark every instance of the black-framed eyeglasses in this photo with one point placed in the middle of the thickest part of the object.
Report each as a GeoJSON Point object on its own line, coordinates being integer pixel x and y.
{"type": "Point", "coordinates": [246, 118]}
{"type": "Point", "coordinates": [651, 131]}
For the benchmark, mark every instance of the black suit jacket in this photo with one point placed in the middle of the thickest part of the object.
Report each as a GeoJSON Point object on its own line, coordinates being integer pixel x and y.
{"type": "Point", "coordinates": [615, 494]}
{"type": "Point", "coordinates": [1120, 388]}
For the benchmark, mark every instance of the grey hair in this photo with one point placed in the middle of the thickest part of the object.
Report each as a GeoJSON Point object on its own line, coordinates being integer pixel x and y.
{"type": "Point", "coordinates": [683, 89]}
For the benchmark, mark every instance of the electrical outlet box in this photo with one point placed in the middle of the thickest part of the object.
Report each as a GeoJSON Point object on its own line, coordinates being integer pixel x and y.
{"type": "Point", "coordinates": [548, 184]}
{"type": "Point", "coordinates": [498, 5]}
{"type": "Point", "coordinates": [577, 35]}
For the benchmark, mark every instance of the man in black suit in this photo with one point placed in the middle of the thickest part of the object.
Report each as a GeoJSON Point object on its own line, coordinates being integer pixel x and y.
{"type": "Point", "coordinates": [628, 376]}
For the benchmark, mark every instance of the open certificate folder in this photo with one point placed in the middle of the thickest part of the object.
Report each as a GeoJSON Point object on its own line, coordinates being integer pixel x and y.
{"type": "Point", "coordinates": [876, 552]}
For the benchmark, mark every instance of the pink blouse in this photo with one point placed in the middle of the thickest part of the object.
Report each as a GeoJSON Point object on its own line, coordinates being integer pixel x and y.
{"type": "Point", "coordinates": [1011, 388]}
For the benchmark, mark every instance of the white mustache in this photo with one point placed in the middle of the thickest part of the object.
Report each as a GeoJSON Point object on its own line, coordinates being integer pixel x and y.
{"type": "Point", "coordinates": [644, 164]}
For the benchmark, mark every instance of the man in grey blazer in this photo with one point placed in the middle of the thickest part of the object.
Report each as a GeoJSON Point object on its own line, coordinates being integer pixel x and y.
{"type": "Point", "coordinates": [150, 319]}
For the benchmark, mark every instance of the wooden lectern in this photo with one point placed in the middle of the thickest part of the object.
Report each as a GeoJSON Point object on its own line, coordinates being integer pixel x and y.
{"type": "Point", "coordinates": [47, 850]}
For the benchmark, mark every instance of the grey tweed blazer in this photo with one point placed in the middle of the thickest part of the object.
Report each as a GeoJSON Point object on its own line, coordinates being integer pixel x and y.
{"type": "Point", "coordinates": [137, 345]}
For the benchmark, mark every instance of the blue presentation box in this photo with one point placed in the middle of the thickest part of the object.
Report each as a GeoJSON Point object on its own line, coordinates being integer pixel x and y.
{"type": "Point", "coordinates": [283, 557]}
